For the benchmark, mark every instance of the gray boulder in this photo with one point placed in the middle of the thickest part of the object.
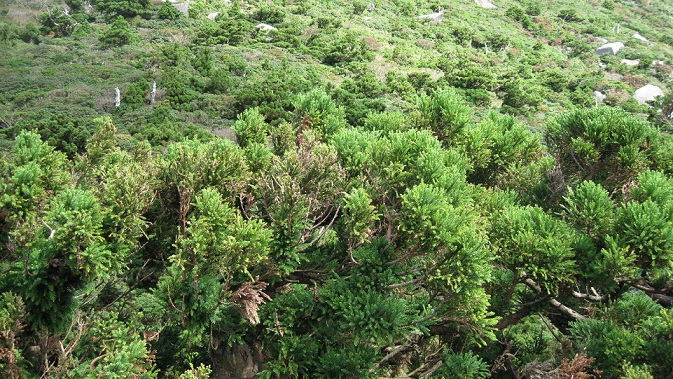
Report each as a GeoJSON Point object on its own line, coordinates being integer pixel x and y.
{"type": "Point", "coordinates": [610, 48]}
{"type": "Point", "coordinates": [647, 93]}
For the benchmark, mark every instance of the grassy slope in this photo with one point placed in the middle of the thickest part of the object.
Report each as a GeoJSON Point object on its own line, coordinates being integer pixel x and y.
{"type": "Point", "coordinates": [75, 75]}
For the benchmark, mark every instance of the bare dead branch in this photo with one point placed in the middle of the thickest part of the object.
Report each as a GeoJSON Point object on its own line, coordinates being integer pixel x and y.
{"type": "Point", "coordinates": [554, 302]}
{"type": "Point", "coordinates": [593, 296]}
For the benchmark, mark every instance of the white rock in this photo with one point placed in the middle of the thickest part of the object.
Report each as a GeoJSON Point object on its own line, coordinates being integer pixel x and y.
{"type": "Point", "coordinates": [638, 36]}
{"type": "Point", "coordinates": [631, 62]}
{"type": "Point", "coordinates": [265, 27]}
{"type": "Point", "coordinates": [599, 96]}
{"type": "Point", "coordinates": [212, 16]}
{"type": "Point", "coordinates": [609, 48]}
{"type": "Point", "coordinates": [434, 17]}
{"type": "Point", "coordinates": [601, 40]}
{"type": "Point", "coordinates": [485, 4]}
{"type": "Point", "coordinates": [647, 93]}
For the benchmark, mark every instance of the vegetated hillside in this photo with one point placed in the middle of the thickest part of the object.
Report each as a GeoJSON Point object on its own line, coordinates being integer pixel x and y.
{"type": "Point", "coordinates": [321, 189]}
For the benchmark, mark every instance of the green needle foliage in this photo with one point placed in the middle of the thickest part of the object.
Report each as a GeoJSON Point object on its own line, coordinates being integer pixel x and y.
{"type": "Point", "coordinates": [316, 189]}
{"type": "Point", "coordinates": [119, 34]}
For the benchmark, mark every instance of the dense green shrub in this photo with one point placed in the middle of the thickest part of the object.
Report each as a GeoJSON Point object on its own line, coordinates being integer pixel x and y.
{"type": "Point", "coordinates": [463, 365]}
{"type": "Point", "coordinates": [60, 23]}
{"type": "Point", "coordinates": [497, 147]}
{"type": "Point", "coordinates": [30, 34]}
{"type": "Point", "coordinates": [168, 12]}
{"type": "Point", "coordinates": [606, 145]}
{"type": "Point", "coordinates": [66, 133]}
{"type": "Point", "coordinates": [519, 96]}
{"type": "Point", "coordinates": [274, 89]}
{"type": "Point", "coordinates": [471, 76]}
{"type": "Point", "coordinates": [317, 110]}
{"type": "Point", "coordinates": [119, 34]}
{"type": "Point", "coordinates": [124, 8]}
{"type": "Point", "coordinates": [137, 93]}
{"type": "Point", "coordinates": [225, 30]}
{"type": "Point", "coordinates": [518, 14]}
{"type": "Point", "coordinates": [269, 15]}
{"type": "Point", "coordinates": [347, 48]}
{"type": "Point", "coordinates": [8, 34]}
{"type": "Point", "coordinates": [359, 6]}
{"type": "Point", "coordinates": [360, 228]}
{"type": "Point", "coordinates": [445, 113]}
{"type": "Point", "coordinates": [250, 128]}
{"type": "Point", "coordinates": [569, 15]}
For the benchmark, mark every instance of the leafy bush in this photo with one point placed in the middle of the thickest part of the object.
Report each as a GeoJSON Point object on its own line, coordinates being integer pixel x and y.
{"type": "Point", "coordinates": [606, 145]}
{"type": "Point", "coordinates": [533, 339]}
{"type": "Point", "coordinates": [347, 48]}
{"type": "Point", "coordinates": [66, 133]}
{"type": "Point", "coordinates": [569, 15]}
{"type": "Point", "coordinates": [225, 30]}
{"type": "Point", "coordinates": [388, 122]}
{"type": "Point", "coordinates": [590, 208]}
{"type": "Point", "coordinates": [250, 128]}
{"type": "Point", "coordinates": [316, 109]}
{"type": "Point", "coordinates": [496, 147]}
{"type": "Point", "coordinates": [124, 8]}
{"type": "Point", "coordinates": [463, 365]}
{"type": "Point", "coordinates": [611, 345]}
{"type": "Point", "coordinates": [30, 34]}
{"type": "Point", "coordinates": [519, 96]}
{"type": "Point", "coordinates": [360, 6]}
{"type": "Point", "coordinates": [274, 89]}
{"type": "Point", "coordinates": [269, 15]}
{"type": "Point", "coordinates": [161, 126]}
{"type": "Point", "coordinates": [168, 12]}
{"type": "Point", "coordinates": [119, 34]}
{"type": "Point", "coordinates": [60, 23]}
{"type": "Point", "coordinates": [445, 113]}
{"type": "Point", "coordinates": [8, 34]}
{"type": "Point", "coordinates": [518, 14]}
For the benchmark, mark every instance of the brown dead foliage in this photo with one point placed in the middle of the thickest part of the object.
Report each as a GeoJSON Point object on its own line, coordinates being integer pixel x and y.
{"type": "Point", "coordinates": [575, 368]}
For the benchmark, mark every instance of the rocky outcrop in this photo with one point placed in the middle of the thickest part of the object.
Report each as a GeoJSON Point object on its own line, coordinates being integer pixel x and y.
{"type": "Point", "coordinates": [610, 48]}
{"type": "Point", "coordinates": [639, 37]}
